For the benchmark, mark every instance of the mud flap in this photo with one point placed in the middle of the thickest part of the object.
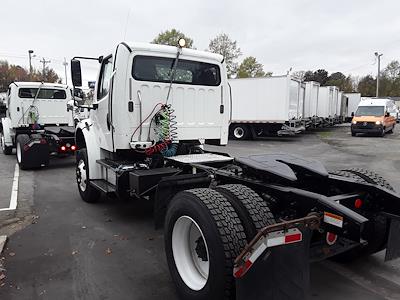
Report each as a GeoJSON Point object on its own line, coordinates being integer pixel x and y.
{"type": "Point", "coordinates": [280, 273]}
{"type": "Point", "coordinates": [393, 244]}
{"type": "Point", "coordinates": [37, 155]}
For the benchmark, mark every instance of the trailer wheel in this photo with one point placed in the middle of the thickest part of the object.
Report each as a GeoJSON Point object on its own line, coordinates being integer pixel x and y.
{"type": "Point", "coordinates": [88, 193]}
{"type": "Point", "coordinates": [7, 150]}
{"type": "Point", "coordinates": [240, 132]}
{"type": "Point", "coordinates": [22, 140]}
{"type": "Point", "coordinates": [377, 232]}
{"type": "Point", "coordinates": [203, 236]}
{"type": "Point", "coordinates": [252, 210]}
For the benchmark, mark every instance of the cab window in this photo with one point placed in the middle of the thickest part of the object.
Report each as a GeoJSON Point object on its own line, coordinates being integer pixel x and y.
{"type": "Point", "coordinates": [105, 78]}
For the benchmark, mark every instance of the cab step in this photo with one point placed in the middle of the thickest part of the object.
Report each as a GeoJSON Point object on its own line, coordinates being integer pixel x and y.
{"type": "Point", "coordinates": [103, 186]}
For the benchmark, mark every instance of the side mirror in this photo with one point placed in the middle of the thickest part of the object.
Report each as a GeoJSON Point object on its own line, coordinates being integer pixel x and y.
{"type": "Point", "coordinates": [76, 72]}
{"type": "Point", "coordinates": [352, 114]}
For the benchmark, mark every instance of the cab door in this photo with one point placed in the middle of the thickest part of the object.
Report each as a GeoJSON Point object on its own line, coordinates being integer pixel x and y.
{"type": "Point", "coordinates": [102, 117]}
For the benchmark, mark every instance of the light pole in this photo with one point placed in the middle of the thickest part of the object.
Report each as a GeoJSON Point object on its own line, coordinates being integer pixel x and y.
{"type": "Point", "coordinates": [378, 56]}
{"type": "Point", "coordinates": [30, 52]}
{"type": "Point", "coordinates": [65, 69]}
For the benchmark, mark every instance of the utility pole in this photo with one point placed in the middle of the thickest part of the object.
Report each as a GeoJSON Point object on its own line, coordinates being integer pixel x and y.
{"type": "Point", "coordinates": [65, 69]}
{"type": "Point", "coordinates": [378, 56]}
{"type": "Point", "coordinates": [44, 62]}
{"type": "Point", "coordinates": [30, 52]}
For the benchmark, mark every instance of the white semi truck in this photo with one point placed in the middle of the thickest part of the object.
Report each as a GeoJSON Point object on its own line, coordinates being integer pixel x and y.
{"type": "Point", "coordinates": [266, 106]}
{"type": "Point", "coordinates": [37, 123]}
{"type": "Point", "coordinates": [235, 228]}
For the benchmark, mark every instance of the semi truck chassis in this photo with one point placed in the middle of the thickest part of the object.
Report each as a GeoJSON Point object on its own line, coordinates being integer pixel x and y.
{"type": "Point", "coordinates": [309, 214]}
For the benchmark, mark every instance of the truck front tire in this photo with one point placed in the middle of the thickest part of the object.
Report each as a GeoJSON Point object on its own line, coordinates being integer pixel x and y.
{"type": "Point", "coordinates": [203, 236]}
{"type": "Point", "coordinates": [22, 140]}
{"type": "Point", "coordinates": [240, 132]}
{"type": "Point", "coordinates": [6, 149]}
{"type": "Point", "coordinates": [88, 193]}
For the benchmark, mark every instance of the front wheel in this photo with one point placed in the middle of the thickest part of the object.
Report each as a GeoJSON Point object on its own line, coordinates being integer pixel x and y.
{"type": "Point", "coordinates": [203, 236]}
{"type": "Point", "coordinates": [88, 193]}
{"type": "Point", "coordinates": [240, 132]}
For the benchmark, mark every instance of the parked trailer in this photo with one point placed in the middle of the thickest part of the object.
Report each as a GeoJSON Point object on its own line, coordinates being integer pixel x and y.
{"type": "Point", "coordinates": [343, 106]}
{"type": "Point", "coordinates": [353, 101]}
{"type": "Point", "coordinates": [311, 104]}
{"type": "Point", "coordinates": [265, 106]}
{"type": "Point", "coordinates": [37, 123]}
{"type": "Point", "coordinates": [235, 228]}
{"type": "Point", "coordinates": [327, 102]}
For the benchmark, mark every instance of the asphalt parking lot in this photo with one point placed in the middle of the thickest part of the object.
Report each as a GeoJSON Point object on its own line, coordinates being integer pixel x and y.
{"type": "Point", "coordinates": [68, 249]}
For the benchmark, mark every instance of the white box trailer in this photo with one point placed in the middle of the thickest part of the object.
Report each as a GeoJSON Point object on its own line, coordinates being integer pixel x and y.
{"type": "Point", "coordinates": [327, 99]}
{"type": "Point", "coordinates": [310, 110]}
{"type": "Point", "coordinates": [267, 105]}
{"type": "Point", "coordinates": [353, 101]}
{"type": "Point", "coordinates": [343, 107]}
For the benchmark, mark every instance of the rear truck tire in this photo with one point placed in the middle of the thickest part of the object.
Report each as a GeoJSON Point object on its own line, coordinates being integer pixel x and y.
{"type": "Point", "coordinates": [240, 132]}
{"type": "Point", "coordinates": [377, 232]}
{"type": "Point", "coordinates": [252, 210]}
{"type": "Point", "coordinates": [22, 140]}
{"type": "Point", "coordinates": [88, 193]}
{"type": "Point", "coordinates": [7, 150]}
{"type": "Point", "coordinates": [203, 236]}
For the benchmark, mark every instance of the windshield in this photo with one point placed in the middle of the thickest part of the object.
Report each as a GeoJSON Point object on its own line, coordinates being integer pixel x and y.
{"type": "Point", "coordinates": [158, 69]}
{"type": "Point", "coordinates": [43, 93]}
{"type": "Point", "coordinates": [376, 111]}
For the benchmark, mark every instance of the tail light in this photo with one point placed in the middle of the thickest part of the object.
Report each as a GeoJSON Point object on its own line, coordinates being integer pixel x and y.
{"type": "Point", "coordinates": [63, 148]}
{"type": "Point", "coordinates": [73, 147]}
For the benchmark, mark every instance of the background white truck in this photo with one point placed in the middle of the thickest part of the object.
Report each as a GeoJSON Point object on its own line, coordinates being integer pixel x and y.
{"type": "Point", "coordinates": [265, 106]}
{"type": "Point", "coordinates": [37, 123]}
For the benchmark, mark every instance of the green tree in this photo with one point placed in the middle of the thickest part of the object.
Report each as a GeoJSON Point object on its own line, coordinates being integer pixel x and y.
{"type": "Point", "coordinates": [250, 68]}
{"type": "Point", "coordinates": [309, 76]}
{"type": "Point", "coordinates": [341, 81]}
{"type": "Point", "coordinates": [222, 44]}
{"type": "Point", "coordinates": [367, 86]}
{"type": "Point", "coordinates": [171, 38]}
{"type": "Point", "coordinates": [392, 70]}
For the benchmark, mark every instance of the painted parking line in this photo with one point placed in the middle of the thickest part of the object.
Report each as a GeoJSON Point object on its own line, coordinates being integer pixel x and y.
{"type": "Point", "coordinates": [14, 191]}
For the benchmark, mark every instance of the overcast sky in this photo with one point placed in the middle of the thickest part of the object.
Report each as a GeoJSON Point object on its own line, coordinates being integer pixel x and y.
{"type": "Point", "coordinates": [305, 35]}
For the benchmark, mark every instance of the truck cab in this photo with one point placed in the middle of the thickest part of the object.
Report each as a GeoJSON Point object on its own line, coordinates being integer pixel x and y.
{"type": "Point", "coordinates": [374, 116]}
{"type": "Point", "coordinates": [138, 110]}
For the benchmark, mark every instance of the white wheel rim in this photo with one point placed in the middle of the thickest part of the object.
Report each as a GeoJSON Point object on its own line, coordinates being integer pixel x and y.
{"type": "Point", "coordinates": [190, 251]}
{"type": "Point", "coordinates": [81, 175]}
{"type": "Point", "coordinates": [19, 155]}
{"type": "Point", "coordinates": [238, 132]}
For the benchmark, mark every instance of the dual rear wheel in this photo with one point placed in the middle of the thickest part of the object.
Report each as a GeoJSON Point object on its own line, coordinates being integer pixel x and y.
{"type": "Point", "coordinates": [205, 230]}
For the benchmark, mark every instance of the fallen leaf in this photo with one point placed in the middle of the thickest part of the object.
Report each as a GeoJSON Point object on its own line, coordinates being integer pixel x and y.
{"type": "Point", "coordinates": [109, 220]}
{"type": "Point", "coordinates": [11, 254]}
{"type": "Point", "coordinates": [2, 276]}
{"type": "Point", "coordinates": [83, 227]}
{"type": "Point", "coordinates": [108, 251]}
{"type": "Point", "coordinates": [150, 238]}
{"type": "Point", "coordinates": [74, 252]}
